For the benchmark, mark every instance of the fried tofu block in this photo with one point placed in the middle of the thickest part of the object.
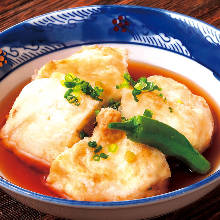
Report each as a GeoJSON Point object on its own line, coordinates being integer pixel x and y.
{"type": "Point", "coordinates": [95, 64]}
{"type": "Point", "coordinates": [133, 171]}
{"type": "Point", "coordinates": [42, 123]}
{"type": "Point", "coordinates": [179, 108]}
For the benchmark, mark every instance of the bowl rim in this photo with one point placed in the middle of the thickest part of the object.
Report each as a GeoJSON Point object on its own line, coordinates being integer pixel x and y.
{"type": "Point", "coordinates": [113, 204]}
{"type": "Point", "coordinates": [164, 11]}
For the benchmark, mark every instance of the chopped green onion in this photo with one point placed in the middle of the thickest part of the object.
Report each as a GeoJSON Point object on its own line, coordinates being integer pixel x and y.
{"type": "Point", "coordinates": [88, 90]}
{"type": "Point", "coordinates": [96, 157]}
{"type": "Point", "coordinates": [113, 148]}
{"type": "Point", "coordinates": [98, 149]}
{"type": "Point", "coordinates": [162, 96]}
{"type": "Point", "coordinates": [104, 156]}
{"type": "Point", "coordinates": [68, 93]}
{"type": "Point", "coordinates": [69, 84]}
{"type": "Point", "coordinates": [97, 111]}
{"type": "Point", "coordinates": [76, 85]}
{"type": "Point", "coordinates": [69, 77]}
{"type": "Point", "coordinates": [92, 144]}
{"type": "Point", "coordinates": [171, 109]}
{"type": "Point", "coordinates": [98, 89]}
{"type": "Point", "coordinates": [141, 85]}
{"type": "Point", "coordinates": [127, 82]}
{"type": "Point", "coordinates": [71, 98]}
{"type": "Point", "coordinates": [129, 79]}
{"type": "Point", "coordinates": [82, 134]}
{"type": "Point", "coordinates": [151, 87]}
{"type": "Point", "coordinates": [123, 118]}
{"type": "Point", "coordinates": [148, 113]}
{"type": "Point", "coordinates": [136, 92]}
{"type": "Point", "coordinates": [114, 104]}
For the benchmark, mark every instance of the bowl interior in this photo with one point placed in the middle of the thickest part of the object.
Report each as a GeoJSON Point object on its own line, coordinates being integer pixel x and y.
{"type": "Point", "coordinates": [154, 36]}
{"type": "Point", "coordinates": [165, 59]}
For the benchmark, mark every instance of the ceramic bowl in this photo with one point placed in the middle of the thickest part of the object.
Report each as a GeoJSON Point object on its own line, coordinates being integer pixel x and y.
{"type": "Point", "coordinates": [175, 42]}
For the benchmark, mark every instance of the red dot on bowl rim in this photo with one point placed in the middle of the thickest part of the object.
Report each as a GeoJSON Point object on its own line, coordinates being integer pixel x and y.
{"type": "Point", "coordinates": [120, 24]}
{"type": "Point", "coordinates": [114, 21]}
{"type": "Point", "coordinates": [120, 17]}
{"type": "Point", "coordinates": [116, 28]}
{"type": "Point", "coordinates": [123, 29]}
{"type": "Point", "coordinates": [126, 23]}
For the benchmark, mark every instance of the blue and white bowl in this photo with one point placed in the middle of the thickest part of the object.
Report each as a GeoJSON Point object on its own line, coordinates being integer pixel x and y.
{"type": "Point", "coordinates": [166, 39]}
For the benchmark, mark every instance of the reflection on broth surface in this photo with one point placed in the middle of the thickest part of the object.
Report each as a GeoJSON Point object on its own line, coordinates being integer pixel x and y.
{"type": "Point", "coordinates": [19, 173]}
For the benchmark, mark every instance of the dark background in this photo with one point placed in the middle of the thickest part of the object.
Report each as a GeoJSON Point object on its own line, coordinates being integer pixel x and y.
{"type": "Point", "coordinates": [15, 11]}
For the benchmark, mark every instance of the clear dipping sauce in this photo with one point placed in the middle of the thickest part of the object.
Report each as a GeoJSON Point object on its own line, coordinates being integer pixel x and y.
{"type": "Point", "coordinates": [19, 173]}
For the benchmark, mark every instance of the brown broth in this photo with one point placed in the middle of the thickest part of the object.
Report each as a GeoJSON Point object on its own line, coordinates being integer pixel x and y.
{"type": "Point", "coordinates": [181, 176]}
{"type": "Point", "coordinates": [19, 173]}
{"type": "Point", "coordinates": [11, 167]}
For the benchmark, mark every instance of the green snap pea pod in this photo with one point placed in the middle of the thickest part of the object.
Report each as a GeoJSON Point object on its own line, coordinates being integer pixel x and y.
{"type": "Point", "coordinates": [165, 138]}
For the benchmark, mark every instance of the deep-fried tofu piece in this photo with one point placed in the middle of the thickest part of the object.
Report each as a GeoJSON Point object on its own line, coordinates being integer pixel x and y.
{"type": "Point", "coordinates": [133, 171]}
{"type": "Point", "coordinates": [95, 64]}
{"type": "Point", "coordinates": [42, 123]}
{"type": "Point", "coordinates": [182, 110]}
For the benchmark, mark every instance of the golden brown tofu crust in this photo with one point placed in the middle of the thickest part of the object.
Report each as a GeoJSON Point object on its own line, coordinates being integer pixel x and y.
{"type": "Point", "coordinates": [179, 108]}
{"type": "Point", "coordinates": [76, 175]}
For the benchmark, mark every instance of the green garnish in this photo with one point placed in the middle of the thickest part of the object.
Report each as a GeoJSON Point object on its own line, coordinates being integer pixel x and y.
{"type": "Point", "coordinates": [92, 144]}
{"type": "Point", "coordinates": [113, 148]}
{"type": "Point", "coordinates": [168, 140]}
{"type": "Point", "coordinates": [171, 109]}
{"type": "Point", "coordinates": [143, 85]}
{"type": "Point", "coordinates": [75, 86]}
{"type": "Point", "coordinates": [97, 111]}
{"type": "Point", "coordinates": [123, 118]}
{"type": "Point", "coordinates": [138, 86]}
{"type": "Point", "coordinates": [69, 77]}
{"type": "Point", "coordinates": [148, 113]}
{"type": "Point", "coordinates": [71, 98]}
{"type": "Point", "coordinates": [96, 157]}
{"type": "Point", "coordinates": [136, 92]}
{"type": "Point", "coordinates": [129, 79]}
{"type": "Point", "coordinates": [98, 149]}
{"type": "Point", "coordinates": [114, 104]}
{"type": "Point", "coordinates": [127, 82]}
{"type": "Point", "coordinates": [82, 134]}
{"type": "Point", "coordinates": [162, 96]}
{"type": "Point", "coordinates": [104, 156]}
